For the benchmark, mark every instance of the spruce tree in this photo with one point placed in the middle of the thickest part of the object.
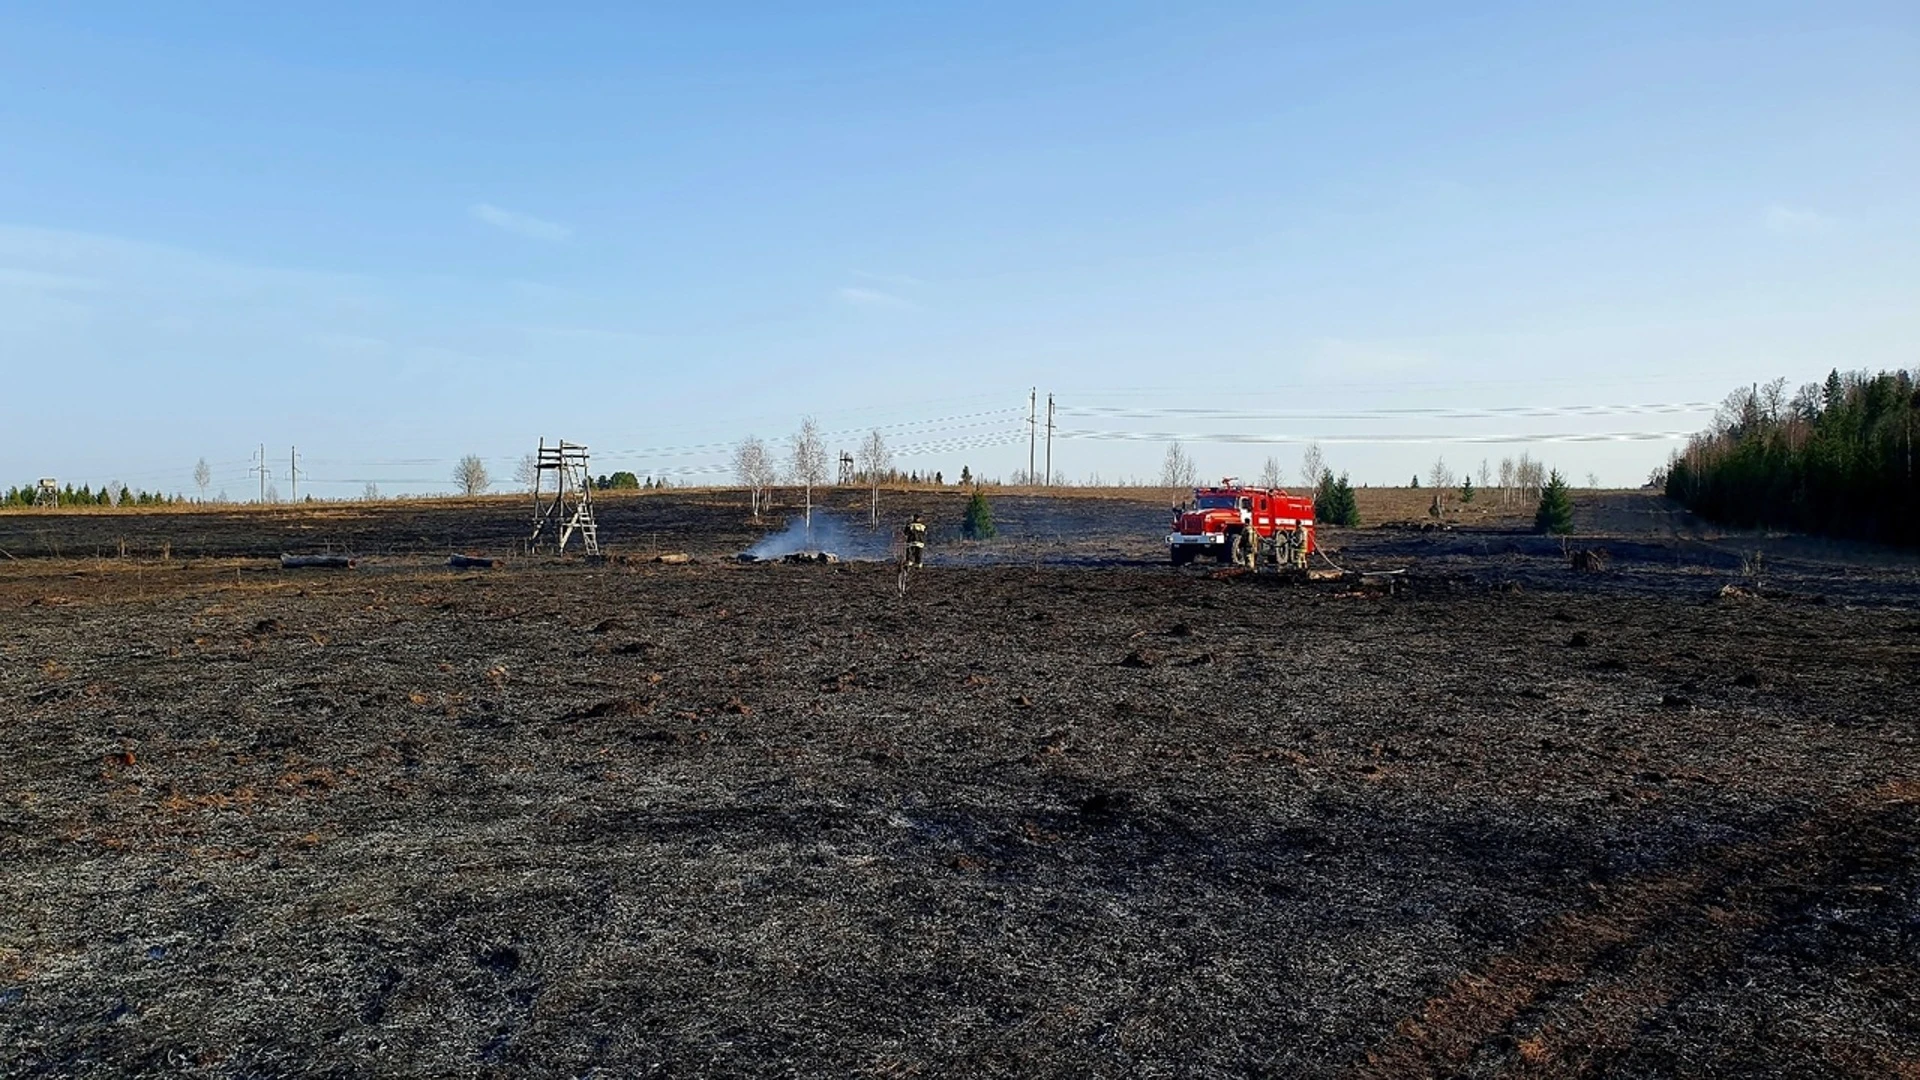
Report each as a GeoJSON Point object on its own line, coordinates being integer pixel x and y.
{"type": "Point", "coordinates": [1555, 515]}
{"type": "Point", "coordinates": [1333, 501]}
{"type": "Point", "coordinates": [978, 522]}
{"type": "Point", "coordinates": [1466, 490]}
{"type": "Point", "coordinates": [1346, 509]}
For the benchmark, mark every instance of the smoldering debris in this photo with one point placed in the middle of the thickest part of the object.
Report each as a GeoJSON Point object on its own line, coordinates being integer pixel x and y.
{"type": "Point", "coordinates": [826, 539]}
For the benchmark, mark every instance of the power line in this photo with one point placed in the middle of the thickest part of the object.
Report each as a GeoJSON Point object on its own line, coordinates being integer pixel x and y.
{"type": "Point", "coordinates": [1358, 440]}
{"type": "Point", "coordinates": [974, 429]}
{"type": "Point", "coordinates": [1436, 412]}
{"type": "Point", "coordinates": [962, 420]}
{"type": "Point", "coordinates": [1293, 389]}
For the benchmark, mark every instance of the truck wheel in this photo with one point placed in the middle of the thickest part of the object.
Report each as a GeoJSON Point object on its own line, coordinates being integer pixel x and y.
{"type": "Point", "coordinates": [1282, 548]}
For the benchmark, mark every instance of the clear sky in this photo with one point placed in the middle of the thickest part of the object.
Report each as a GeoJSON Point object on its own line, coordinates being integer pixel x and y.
{"type": "Point", "coordinates": [394, 234]}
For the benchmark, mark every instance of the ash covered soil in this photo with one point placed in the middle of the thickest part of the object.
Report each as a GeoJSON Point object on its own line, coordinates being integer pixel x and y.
{"type": "Point", "coordinates": [1034, 818]}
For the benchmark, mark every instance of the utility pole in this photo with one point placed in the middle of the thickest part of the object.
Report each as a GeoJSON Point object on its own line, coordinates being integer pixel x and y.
{"type": "Point", "coordinates": [1033, 427]}
{"type": "Point", "coordinates": [293, 470]}
{"type": "Point", "coordinates": [262, 470]}
{"type": "Point", "coordinates": [1049, 438]}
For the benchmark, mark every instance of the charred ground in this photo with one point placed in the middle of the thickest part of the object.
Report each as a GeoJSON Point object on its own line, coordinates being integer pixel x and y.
{"type": "Point", "coordinates": [1033, 818]}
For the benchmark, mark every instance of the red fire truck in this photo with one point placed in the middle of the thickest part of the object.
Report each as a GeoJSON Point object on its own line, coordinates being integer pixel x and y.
{"type": "Point", "coordinates": [1243, 525]}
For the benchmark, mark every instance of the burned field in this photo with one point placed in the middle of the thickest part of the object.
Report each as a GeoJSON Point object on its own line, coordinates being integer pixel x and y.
{"type": "Point", "coordinates": [1033, 818]}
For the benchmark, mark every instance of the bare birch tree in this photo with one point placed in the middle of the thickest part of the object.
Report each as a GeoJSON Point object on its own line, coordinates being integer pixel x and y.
{"type": "Point", "coordinates": [1177, 470]}
{"type": "Point", "coordinates": [1270, 474]}
{"type": "Point", "coordinates": [807, 461]}
{"type": "Point", "coordinates": [875, 458]}
{"type": "Point", "coordinates": [753, 467]}
{"type": "Point", "coordinates": [1773, 399]}
{"type": "Point", "coordinates": [526, 472]}
{"type": "Point", "coordinates": [1529, 476]}
{"type": "Point", "coordinates": [470, 475]}
{"type": "Point", "coordinates": [1440, 479]}
{"type": "Point", "coordinates": [1313, 465]}
{"type": "Point", "coordinates": [1506, 481]}
{"type": "Point", "coordinates": [202, 476]}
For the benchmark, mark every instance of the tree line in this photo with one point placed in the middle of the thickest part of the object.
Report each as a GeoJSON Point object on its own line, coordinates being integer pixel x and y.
{"type": "Point", "coordinates": [109, 494]}
{"type": "Point", "coordinates": [1835, 458]}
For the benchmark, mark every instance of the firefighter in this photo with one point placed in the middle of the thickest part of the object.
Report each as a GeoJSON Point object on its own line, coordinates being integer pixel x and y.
{"type": "Point", "coordinates": [916, 533]}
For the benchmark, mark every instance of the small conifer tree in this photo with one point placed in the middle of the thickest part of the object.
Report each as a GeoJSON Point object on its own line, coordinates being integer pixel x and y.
{"type": "Point", "coordinates": [1341, 507]}
{"type": "Point", "coordinates": [1555, 515]}
{"type": "Point", "coordinates": [978, 522]}
{"type": "Point", "coordinates": [1333, 501]}
{"type": "Point", "coordinates": [1466, 490]}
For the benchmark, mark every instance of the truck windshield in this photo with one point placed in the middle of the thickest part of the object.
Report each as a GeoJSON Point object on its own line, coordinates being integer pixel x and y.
{"type": "Point", "coordinates": [1216, 502]}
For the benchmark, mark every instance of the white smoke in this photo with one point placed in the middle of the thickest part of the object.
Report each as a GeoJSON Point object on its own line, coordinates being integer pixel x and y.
{"type": "Point", "coordinates": [856, 543]}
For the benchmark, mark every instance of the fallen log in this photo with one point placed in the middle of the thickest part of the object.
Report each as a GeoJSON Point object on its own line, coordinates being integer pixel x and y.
{"type": "Point", "coordinates": [321, 562]}
{"type": "Point", "coordinates": [812, 557]}
{"type": "Point", "coordinates": [676, 558]}
{"type": "Point", "coordinates": [471, 562]}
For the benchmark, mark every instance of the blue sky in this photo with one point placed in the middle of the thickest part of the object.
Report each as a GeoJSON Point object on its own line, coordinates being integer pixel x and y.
{"type": "Point", "coordinates": [392, 239]}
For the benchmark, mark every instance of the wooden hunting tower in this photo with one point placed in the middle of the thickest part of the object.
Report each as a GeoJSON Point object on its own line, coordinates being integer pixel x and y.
{"type": "Point", "coordinates": [570, 510]}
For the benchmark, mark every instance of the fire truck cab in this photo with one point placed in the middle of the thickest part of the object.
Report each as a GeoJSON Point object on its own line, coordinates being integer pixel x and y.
{"type": "Point", "coordinates": [1241, 525]}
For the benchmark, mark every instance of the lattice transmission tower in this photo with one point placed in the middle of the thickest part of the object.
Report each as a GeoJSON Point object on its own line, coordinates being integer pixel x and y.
{"type": "Point", "coordinates": [570, 509]}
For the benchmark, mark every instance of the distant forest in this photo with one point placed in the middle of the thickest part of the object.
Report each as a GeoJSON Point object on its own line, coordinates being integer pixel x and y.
{"type": "Point", "coordinates": [1834, 458]}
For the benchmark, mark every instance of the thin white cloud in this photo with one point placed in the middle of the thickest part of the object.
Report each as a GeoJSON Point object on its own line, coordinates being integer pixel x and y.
{"type": "Point", "coordinates": [1789, 221]}
{"type": "Point", "coordinates": [587, 334]}
{"type": "Point", "coordinates": [40, 280]}
{"type": "Point", "coordinates": [874, 298]}
{"type": "Point", "coordinates": [56, 259]}
{"type": "Point", "coordinates": [353, 344]}
{"type": "Point", "coordinates": [520, 224]}
{"type": "Point", "coordinates": [1347, 358]}
{"type": "Point", "coordinates": [887, 279]}
{"type": "Point", "coordinates": [539, 290]}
